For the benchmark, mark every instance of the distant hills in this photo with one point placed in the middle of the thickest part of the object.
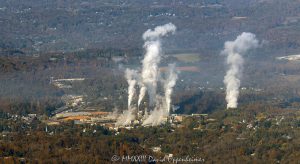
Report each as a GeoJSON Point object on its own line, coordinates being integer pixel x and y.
{"type": "Point", "coordinates": [32, 27]}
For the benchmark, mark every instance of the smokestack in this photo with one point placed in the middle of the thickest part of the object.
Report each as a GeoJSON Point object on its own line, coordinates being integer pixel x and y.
{"type": "Point", "coordinates": [129, 114]}
{"type": "Point", "coordinates": [169, 84]}
{"type": "Point", "coordinates": [163, 104]}
{"type": "Point", "coordinates": [151, 60]}
{"type": "Point", "coordinates": [234, 50]}
{"type": "Point", "coordinates": [142, 93]}
{"type": "Point", "coordinates": [131, 76]}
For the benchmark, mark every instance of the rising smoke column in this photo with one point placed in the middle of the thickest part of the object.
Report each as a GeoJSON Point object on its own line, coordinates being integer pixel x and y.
{"type": "Point", "coordinates": [151, 60]}
{"type": "Point", "coordinates": [169, 84]}
{"type": "Point", "coordinates": [163, 104]}
{"type": "Point", "coordinates": [128, 115]}
{"type": "Point", "coordinates": [131, 76]}
{"type": "Point", "coordinates": [234, 51]}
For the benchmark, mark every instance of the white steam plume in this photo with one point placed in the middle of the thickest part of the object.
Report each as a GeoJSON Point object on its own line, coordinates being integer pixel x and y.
{"type": "Point", "coordinates": [159, 31]}
{"type": "Point", "coordinates": [131, 76]}
{"type": "Point", "coordinates": [163, 104]}
{"type": "Point", "coordinates": [151, 61]}
{"type": "Point", "coordinates": [234, 51]}
{"type": "Point", "coordinates": [128, 115]}
{"type": "Point", "coordinates": [150, 69]}
{"type": "Point", "coordinates": [169, 84]}
{"type": "Point", "coordinates": [142, 94]}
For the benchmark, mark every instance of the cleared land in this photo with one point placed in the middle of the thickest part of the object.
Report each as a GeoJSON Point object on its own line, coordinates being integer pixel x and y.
{"type": "Point", "coordinates": [187, 57]}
